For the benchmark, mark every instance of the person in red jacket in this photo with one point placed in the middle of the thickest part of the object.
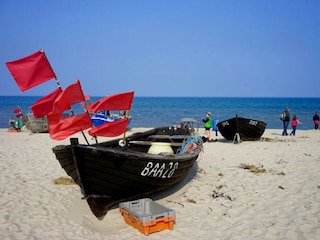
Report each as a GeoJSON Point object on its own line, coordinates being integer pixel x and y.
{"type": "Point", "coordinates": [316, 120]}
{"type": "Point", "coordinates": [294, 123]}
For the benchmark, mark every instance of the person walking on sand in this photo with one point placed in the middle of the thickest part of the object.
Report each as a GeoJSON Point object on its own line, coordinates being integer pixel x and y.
{"type": "Point", "coordinates": [207, 126]}
{"type": "Point", "coordinates": [295, 121]}
{"type": "Point", "coordinates": [316, 120]}
{"type": "Point", "coordinates": [286, 121]}
{"type": "Point", "coordinates": [11, 123]}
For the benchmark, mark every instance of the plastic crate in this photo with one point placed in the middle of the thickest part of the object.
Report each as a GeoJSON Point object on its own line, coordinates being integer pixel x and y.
{"type": "Point", "coordinates": [147, 216]}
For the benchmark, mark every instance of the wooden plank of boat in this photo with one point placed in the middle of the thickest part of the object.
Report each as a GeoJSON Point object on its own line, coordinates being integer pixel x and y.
{"type": "Point", "coordinates": [108, 175]}
{"type": "Point", "coordinates": [35, 125]}
{"type": "Point", "coordinates": [177, 144]}
{"type": "Point", "coordinates": [169, 137]}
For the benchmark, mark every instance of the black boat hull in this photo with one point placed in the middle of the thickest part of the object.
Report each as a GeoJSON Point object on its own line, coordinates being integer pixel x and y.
{"type": "Point", "coordinates": [108, 173]}
{"type": "Point", "coordinates": [248, 129]}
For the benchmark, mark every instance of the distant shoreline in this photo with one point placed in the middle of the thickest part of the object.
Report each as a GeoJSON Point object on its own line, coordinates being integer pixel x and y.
{"type": "Point", "coordinates": [165, 111]}
{"type": "Point", "coordinates": [201, 130]}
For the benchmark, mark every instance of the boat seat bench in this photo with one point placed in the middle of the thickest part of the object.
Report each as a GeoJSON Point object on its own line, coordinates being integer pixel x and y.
{"type": "Point", "coordinates": [174, 144]}
{"type": "Point", "coordinates": [170, 137]}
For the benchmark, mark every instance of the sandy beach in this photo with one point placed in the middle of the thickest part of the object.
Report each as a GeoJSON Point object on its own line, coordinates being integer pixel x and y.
{"type": "Point", "coordinates": [268, 189]}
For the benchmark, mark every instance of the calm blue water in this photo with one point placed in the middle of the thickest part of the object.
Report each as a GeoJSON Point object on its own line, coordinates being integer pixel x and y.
{"type": "Point", "coordinates": [161, 111]}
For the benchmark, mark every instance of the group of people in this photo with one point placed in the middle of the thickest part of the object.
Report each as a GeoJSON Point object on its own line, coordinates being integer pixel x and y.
{"type": "Point", "coordinates": [14, 124]}
{"type": "Point", "coordinates": [285, 117]}
{"type": "Point", "coordinates": [295, 121]}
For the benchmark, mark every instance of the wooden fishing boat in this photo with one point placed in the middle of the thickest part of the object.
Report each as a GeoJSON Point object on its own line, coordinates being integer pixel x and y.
{"type": "Point", "coordinates": [35, 125]}
{"type": "Point", "coordinates": [111, 172]}
{"type": "Point", "coordinates": [244, 128]}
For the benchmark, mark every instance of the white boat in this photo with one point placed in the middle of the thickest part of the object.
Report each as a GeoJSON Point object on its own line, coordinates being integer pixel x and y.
{"type": "Point", "coordinates": [35, 125]}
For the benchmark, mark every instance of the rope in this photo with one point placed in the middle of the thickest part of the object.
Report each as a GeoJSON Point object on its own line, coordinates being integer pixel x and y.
{"type": "Point", "coordinates": [190, 143]}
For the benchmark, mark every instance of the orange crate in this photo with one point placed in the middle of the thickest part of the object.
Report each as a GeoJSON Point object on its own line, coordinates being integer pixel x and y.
{"type": "Point", "coordinates": [147, 216]}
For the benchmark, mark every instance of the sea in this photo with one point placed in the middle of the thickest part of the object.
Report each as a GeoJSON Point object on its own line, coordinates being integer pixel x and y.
{"type": "Point", "coordinates": [163, 111]}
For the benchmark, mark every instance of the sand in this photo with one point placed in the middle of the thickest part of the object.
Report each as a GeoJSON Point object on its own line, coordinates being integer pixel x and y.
{"type": "Point", "coordinates": [220, 199]}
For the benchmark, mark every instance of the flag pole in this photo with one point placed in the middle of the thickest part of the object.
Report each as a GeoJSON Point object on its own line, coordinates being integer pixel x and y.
{"type": "Point", "coordinates": [71, 110]}
{"type": "Point", "coordinates": [85, 106]}
{"type": "Point", "coordinates": [86, 109]}
{"type": "Point", "coordinates": [123, 142]}
{"type": "Point", "coordinates": [59, 86]}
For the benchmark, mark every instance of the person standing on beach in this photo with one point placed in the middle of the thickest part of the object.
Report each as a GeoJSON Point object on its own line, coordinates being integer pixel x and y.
{"type": "Point", "coordinates": [11, 123]}
{"type": "Point", "coordinates": [207, 125]}
{"type": "Point", "coordinates": [286, 121]}
{"type": "Point", "coordinates": [295, 121]}
{"type": "Point", "coordinates": [316, 120]}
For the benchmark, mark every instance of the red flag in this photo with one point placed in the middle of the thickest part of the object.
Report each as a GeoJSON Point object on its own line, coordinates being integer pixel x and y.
{"type": "Point", "coordinates": [60, 128]}
{"type": "Point", "coordinates": [89, 106]}
{"type": "Point", "coordinates": [121, 101]}
{"type": "Point", "coordinates": [31, 71]}
{"type": "Point", "coordinates": [18, 112]}
{"type": "Point", "coordinates": [87, 97]}
{"type": "Point", "coordinates": [44, 105]}
{"type": "Point", "coordinates": [71, 95]}
{"type": "Point", "coordinates": [68, 126]}
{"type": "Point", "coordinates": [19, 115]}
{"type": "Point", "coordinates": [110, 129]}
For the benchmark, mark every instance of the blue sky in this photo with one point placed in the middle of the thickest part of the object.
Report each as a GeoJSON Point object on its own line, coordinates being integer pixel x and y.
{"type": "Point", "coordinates": [214, 48]}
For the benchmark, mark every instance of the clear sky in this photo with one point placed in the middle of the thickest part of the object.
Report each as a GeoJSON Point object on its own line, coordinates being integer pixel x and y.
{"type": "Point", "coordinates": [214, 48]}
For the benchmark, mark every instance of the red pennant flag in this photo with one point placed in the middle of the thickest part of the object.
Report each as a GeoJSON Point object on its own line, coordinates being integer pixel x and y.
{"type": "Point", "coordinates": [44, 105]}
{"type": "Point", "coordinates": [110, 129]}
{"type": "Point", "coordinates": [31, 71]}
{"type": "Point", "coordinates": [19, 115]}
{"type": "Point", "coordinates": [71, 95]}
{"type": "Point", "coordinates": [60, 128]}
{"type": "Point", "coordinates": [18, 112]}
{"type": "Point", "coordinates": [87, 97]}
{"type": "Point", "coordinates": [68, 126]}
{"type": "Point", "coordinates": [121, 101]}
